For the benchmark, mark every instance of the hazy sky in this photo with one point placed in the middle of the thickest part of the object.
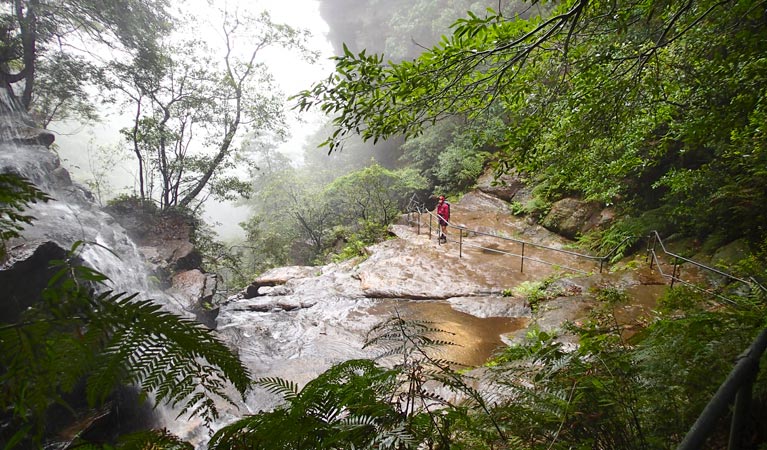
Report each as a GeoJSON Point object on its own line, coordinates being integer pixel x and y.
{"type": "Point", "coordinates": [291, 73]}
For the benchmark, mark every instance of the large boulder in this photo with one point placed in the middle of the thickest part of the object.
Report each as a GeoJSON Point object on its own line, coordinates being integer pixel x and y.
{"type": "Point", "coordinates": [195, 289]}
{"type": "Point", "coordinates": [14, 129]}
{"type": "Point", "coordinates": [277, 277]}
{"type": "Point", "coordinates": [508, 186]}
{"type": "Point", "coordinates": [572, 217]}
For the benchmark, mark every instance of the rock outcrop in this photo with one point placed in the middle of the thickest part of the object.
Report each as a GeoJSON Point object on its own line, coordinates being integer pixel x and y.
{"type": "Point", "coordinates": [572, 217]}
{"type": "Point", "coordinates": [15, 129]}
{"type": "Point", "coordinates": [510, 187]}
{"type": "Point", "coordinates": [163, 238]}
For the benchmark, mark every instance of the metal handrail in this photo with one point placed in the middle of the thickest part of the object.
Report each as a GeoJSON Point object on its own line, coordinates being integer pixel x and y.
{"type": "Point", "coordinates": [530, 258]}
{"type": "Point", "coordinates": [654, 238]}
{"type": "Point", "coordinates": [415, 207]}
{"type": "Point", "coordinates": [737, 388]}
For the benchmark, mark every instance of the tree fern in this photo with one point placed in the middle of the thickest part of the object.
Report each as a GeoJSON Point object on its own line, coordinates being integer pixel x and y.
{"type": "Point", "coordinates": [344, 407]}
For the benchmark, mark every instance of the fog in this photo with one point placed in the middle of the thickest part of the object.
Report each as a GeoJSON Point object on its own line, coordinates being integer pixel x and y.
{"type": "Point", "coordinates": [400, 30]}
{"type": "Point", "coordinates": [81, 148]}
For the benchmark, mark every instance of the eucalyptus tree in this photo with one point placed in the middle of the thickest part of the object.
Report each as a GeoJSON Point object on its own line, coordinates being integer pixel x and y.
{"type": "Point", "coordinates": [615, 100]}
{"type": "Point", "coordinates": [191, 106]}
{"type": "Point", "coordinates": [46, 51]}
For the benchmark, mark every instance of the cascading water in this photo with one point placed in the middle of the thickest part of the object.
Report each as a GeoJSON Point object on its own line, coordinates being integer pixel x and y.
{"type": "Point", "coordinates": [295, 330]}
{"type": "Point", "coordinates": [72, 217]}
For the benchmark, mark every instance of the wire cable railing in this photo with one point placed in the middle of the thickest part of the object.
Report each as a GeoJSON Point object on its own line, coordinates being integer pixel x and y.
{"type": "Point", "coordinates": [418, 209]}
{"type": "Point", "coordinates": [735, 391]}
{"type": "Point", "coordinates": [656, 247]}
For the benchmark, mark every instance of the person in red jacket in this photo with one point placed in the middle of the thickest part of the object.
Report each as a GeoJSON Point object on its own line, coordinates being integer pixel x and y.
{"type": "Point", "coordinates": [443, 214]}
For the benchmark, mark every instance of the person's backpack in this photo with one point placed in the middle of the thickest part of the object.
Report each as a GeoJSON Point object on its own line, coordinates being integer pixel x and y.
{"type": "Point", "coordinates": [448, 210]}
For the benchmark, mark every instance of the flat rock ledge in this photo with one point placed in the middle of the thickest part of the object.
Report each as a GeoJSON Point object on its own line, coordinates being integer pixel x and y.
{"type": "Point", "coordinates": [277, 277]}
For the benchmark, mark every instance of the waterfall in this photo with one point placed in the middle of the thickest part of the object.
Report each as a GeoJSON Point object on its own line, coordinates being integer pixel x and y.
{"type": "Point", "coordinates": [73, 216]}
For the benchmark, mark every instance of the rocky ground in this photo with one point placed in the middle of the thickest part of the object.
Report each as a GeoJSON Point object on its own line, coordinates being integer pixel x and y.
{"type": "Point", "coordinates": [294, 322]}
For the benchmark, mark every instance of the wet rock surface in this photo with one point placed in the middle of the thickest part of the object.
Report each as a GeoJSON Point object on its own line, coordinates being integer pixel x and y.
{"type": "Point", "coordinates": [197, 289]}
{"type": "Point", "coordinates": [295, 322]}
{"type": "Point", "coordinates": [508, 187]}
{"type": "Point", "coordinates": [572, 217]}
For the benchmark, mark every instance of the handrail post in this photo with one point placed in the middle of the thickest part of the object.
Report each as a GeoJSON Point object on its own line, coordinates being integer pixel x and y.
{"type": "Point", "coordinates": [674, 272]}
{"type": "Point", "coordinates": [418, 228]}
{"type": "Point", "coordinates": [651, 240]}
{"type": "Point", "coordinates": [429, 226]}
{"type": "Point", "coordinates": [460, 243]}
{"type": "Point", "coordinates": [522, 260]}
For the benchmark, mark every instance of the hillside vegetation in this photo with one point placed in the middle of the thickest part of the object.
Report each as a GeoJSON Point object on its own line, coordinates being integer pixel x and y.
{"type": "Point", "coordinates": [654, 108]}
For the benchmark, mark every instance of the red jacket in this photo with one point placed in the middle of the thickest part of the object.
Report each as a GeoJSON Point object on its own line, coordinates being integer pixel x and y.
{"type": "Point", "coordinates": [443, 210]}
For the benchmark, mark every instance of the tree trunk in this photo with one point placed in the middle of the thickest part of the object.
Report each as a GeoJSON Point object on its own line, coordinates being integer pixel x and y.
{"type": "Point", "coordinates": [28, 26]}
{"type": "Point", "coordinates": [137, 150]}
{"type": "Point", "coordinates": [222, 152]}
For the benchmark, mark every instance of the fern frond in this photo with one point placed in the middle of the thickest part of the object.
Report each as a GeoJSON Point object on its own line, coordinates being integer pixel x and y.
{"type": "Point", "coordinates": [286, 389]}
{"type": "Point", "coordinates": [358, 421]}
{"type": "Point", "coordinates": [154, 440]}
{"type": "Point", "coordinates": [163, 353]}
{"type": "Point", "coordinates": [395, 437]}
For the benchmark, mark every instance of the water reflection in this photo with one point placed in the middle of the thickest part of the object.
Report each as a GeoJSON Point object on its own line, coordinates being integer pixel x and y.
{"type": "Point", "coordinates": [477, 338]}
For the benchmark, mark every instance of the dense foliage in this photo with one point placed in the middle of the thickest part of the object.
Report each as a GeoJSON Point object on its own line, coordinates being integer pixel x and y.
{"type": "Point", "coordinates": [640, 104]}
{"type": "Point", "coordinates": [47, 48]}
